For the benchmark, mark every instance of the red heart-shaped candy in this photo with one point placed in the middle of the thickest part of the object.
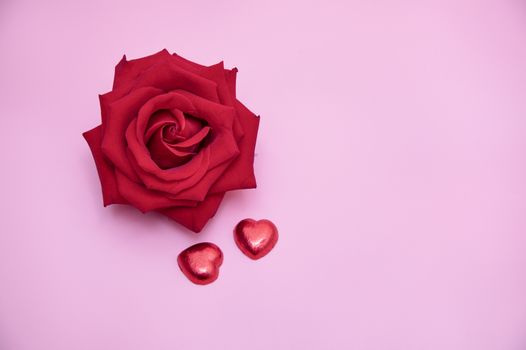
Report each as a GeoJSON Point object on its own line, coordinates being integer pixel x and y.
{"type": "Point", "coordinates": [200, 263]}
{"type": "Point", "coordinates": [255, 238]}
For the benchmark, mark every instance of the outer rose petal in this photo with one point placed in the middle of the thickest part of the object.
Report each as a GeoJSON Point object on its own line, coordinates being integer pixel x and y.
{"type": "Point", "coordinates": [127, 71]}
{"type": "Point", "coordinates": [173, 189]}
{"type": "Point", "coordinates": [230, 76]}
{"type": "Point", "coordinates": [120, 113]}
{"type": "Point", "coordinates": [110, 195]}
{"type": "Point", "coordinates": [195, 218]}
{"type": "Point", "coordinates": [240, 174]}
{"type": "Point", "coordinates": [208, 182]}
{"type": "Point", "coordinates": [170, 77]}
{"type": "Point", "coordinates": [216, 73]}
{"type": "Point", "coordinates": [144, 199]}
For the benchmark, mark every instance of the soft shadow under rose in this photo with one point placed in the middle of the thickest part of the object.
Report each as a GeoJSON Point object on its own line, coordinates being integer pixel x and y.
{"type": "Point", "coordinates": [173, 138]}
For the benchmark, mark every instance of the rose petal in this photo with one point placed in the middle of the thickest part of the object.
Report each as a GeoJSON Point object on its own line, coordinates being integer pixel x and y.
{"type": "Point", "coordinates": [140, 159]}
{"type": "Point", "coordinates": [215, 114]}
{"type": "Point", "coordinates": [147, 115]}
{"type": "Point", "coordinates": [173, 188]}
{"type": "Point", "coordinates": [167, 155]}
{"type": "Point", "coordinates": [195, 218]}
{"type": "Point", "coordinates": [127, 71]}
{"type": "Point", "coordinates": [191, 127]}
{"type": "Point", "coordinates": [194, 140]}
{"type": "Point", "coordinates": [216, 73]}
{"type": "Point", "coordinates": [164, 155]}
{"type": "Point", "coordinates": [120, 114]}
{"type": "Point", "coordinates": [110, 195]}
{"type": "Point", "coordinates": [230, 77]}
{"type": "Point", "coordinates": [145, 199]}
{"type": "Point", "coordinates": [157, 121]}
{"type": "Point", "coordinates": [168, 77]}
{"type": "Point", "coordinates": [240, 173]}
{"type": "Point", "coordinates": [207, 182]}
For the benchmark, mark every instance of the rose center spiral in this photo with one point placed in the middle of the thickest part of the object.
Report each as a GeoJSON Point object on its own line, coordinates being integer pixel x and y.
{"type": "Point", "coordinates": [173, 138]}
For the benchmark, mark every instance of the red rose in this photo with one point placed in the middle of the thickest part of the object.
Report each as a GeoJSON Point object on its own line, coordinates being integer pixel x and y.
{"type": "Point", "coordinates": [173, 138]}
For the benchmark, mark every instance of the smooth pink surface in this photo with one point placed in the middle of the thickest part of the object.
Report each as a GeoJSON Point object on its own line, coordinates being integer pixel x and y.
{"type": "Point", "coordinates": [391, 156]}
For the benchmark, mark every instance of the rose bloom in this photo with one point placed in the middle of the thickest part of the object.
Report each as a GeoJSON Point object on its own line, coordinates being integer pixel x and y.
{"type": "Point", "coordinates": [173, 138]}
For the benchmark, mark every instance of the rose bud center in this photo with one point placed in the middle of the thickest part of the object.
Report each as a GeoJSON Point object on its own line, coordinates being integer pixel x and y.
{"type": "Point", "coordinates": [173, 138]}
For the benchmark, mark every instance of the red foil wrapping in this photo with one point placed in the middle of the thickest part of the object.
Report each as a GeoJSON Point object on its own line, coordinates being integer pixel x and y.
{"type": "Point", "coordinates": [255, 238]}
{"type": "Point", "coordinates": [200, 263]}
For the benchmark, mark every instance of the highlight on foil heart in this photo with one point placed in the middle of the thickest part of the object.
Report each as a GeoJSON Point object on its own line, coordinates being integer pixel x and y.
{"type": "Point", "coordinates": [255, 238]}
{"type": "Point", "coordinates": [200, 263]}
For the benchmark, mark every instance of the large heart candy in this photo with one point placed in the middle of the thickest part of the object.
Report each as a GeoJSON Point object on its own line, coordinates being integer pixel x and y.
{"type": "Point", "coordinates": [200, 263]}
{"type": "Point", "coordinates": [255, 238]}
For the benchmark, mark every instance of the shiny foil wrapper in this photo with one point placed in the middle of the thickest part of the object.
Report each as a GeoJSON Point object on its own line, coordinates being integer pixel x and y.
{"type": "Point", "coordinates": [255, 238]}
{"type": "Point", "coordinates": [200, 263]}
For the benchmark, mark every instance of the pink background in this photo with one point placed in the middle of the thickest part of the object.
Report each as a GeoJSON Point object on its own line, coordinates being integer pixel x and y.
{"type": "Point", "coordinates": [391, 155]}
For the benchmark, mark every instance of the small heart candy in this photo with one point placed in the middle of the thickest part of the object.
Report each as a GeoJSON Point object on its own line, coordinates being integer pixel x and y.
{"type": "Point", "coordinates": [255, 238]}
{"type": "Point", "coordinates": [200, 263]}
